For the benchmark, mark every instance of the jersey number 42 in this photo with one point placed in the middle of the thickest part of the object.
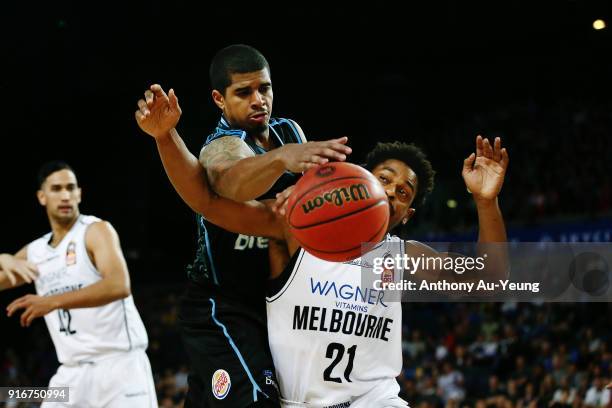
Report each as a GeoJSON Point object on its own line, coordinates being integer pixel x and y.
{"type": "Point", "coordinates": [65, 319]}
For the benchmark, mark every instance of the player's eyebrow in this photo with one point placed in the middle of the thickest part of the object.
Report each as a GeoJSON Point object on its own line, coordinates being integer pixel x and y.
{"type": "Point", "coordinates": [411, 185]}
{"type": "Point", "coordinates": [408, 182]}
{"type": "Point", "coordinates": [59, 185]}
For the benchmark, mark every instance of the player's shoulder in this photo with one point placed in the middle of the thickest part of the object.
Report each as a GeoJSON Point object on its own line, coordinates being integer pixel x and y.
{"type": "Point", "coordinates": [96, 229]}
{"type": "Point", "coordinates": [410, 246]}
{"type": "Point", "coordinates": [225, 132]}
{"type": "Point", "coordinates": [88, 219]}
{"type": "Point", "coordinates": [95, 225]}
{"type": "Point", "coordinates": [417, 248]}
{"type": "Point", "coordinates": [282, 121]}
{"type": "Point", "coordinates": [291, 126]}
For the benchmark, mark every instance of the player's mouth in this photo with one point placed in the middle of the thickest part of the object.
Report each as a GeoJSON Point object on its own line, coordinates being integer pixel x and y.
{"type": "Point", "coordinates": [65, 208]}
{"type": "Point", "coordinates": [259, 117]}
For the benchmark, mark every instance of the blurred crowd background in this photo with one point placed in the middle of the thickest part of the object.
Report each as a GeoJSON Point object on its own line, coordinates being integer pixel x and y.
{"type": "Point", "coordinates": [502, 355]}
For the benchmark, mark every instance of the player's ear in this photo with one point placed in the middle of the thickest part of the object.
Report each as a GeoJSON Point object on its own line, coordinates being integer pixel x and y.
{"type": "Point", "coordinates": [42, 199]}
{"type": "Point", "coordinates": [408, 216]}
{"type": "Point", "coordinates": [218, 99]}
{"type": "Point", "coordinates": [79, 192]}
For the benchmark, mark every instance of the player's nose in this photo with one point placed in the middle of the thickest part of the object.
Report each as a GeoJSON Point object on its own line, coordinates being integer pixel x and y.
{"type": "Point", "coordinates": [390, 191]}
{"type": "Point", "coordinates": [258, 99]}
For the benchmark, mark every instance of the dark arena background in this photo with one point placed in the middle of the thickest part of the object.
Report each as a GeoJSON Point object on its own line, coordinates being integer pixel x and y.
{"type": "Point", "coordinates": [437, 73]}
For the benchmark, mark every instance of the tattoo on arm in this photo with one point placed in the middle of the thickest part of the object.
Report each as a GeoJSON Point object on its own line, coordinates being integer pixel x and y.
{"type": "Point", "coordinates": [221, 152]}
{"type": "Point", "coordinates": [226, 149]}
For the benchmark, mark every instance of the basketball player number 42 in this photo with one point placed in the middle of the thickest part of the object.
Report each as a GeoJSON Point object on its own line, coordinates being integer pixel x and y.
{"type": "Point", "coordinates": [335, 351]}
{"type": "Point", "coordinates": [65, 320]}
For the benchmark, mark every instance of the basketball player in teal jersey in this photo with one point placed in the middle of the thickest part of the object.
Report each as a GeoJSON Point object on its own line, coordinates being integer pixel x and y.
{"type": "Point", "coordinates": [249, 155]}
{"type": "Point", "coordinates": [326, 356]}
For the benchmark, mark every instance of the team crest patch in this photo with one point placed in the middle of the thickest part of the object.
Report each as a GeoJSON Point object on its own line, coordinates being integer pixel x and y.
{"type": "Point", "coordinates": [71, 254]}
{"type": "Point", "coordinates": [387, 274]}
{"type": "Point", "coordinates": [221, 384]}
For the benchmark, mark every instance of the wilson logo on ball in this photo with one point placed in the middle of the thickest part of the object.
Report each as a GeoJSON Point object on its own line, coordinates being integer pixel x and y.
{"type": "Point", "coordinates": [338, 197]}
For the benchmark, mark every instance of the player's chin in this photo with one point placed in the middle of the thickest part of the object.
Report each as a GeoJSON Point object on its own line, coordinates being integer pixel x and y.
{"type": "Point", "coordinates": [260, 127]}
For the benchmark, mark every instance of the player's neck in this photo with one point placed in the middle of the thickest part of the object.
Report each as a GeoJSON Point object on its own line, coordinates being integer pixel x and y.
{"type": "Point", "coordinates": [262, 139]}
{"type": "Point", "coordinates": [59, 229]}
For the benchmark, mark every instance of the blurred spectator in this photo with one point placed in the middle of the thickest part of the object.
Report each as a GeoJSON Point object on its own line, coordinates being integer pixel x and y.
{"type": "Point", "coordinates": [450, 384]}
{"type": "Point", "coordinates": [564, 394]}
{"type": "Point", "coordinates": [597, 395]}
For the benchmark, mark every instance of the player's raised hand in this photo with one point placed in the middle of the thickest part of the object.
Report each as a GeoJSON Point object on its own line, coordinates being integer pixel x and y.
{"type": "Point", "coordinates": [14, 267]}
{"type": "Point", "coordinates": [35, 306]}
{"type": "Point", "coordinates": [484, 171]}
{"type": "Point", "coordinates": [158, 113]}
{"type": "Point", "coordinates": [301, 157]}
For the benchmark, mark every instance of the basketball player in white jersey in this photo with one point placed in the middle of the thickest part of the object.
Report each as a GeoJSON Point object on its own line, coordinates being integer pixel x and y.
{"type": "Point", "coordinates": [335, 343]}
{"type": "Point", "coordinates": [83, 292]}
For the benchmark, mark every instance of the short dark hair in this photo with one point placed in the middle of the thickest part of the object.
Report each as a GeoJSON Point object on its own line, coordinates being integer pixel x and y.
{"type": "Point", "coordinates": [414, 158]}
{"type": "Point", "coordinates": [234, 59]}
{"type": "Point", "coordinates": [49, 168]}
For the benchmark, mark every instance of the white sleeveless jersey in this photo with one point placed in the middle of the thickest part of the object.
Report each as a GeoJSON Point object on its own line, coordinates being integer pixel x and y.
{"type": "Point", "coordinates": [84, 334]}
{"type": "Point", "coordinates": [333, 337]}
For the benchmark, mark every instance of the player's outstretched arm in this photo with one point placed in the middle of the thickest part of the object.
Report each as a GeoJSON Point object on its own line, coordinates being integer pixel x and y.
{"type": "Point", "coordinates": [249, 218]}
{"type": "Point", "coordinates": [157, 115]}
{"type": "Point", "coordinates": [235, 172]}
{"type": "Point", "coordinates": [102, 244]}
{"type": "Point", "coordinates": [484, 172]}
{"type": "Point", "coordinates": [255, 218]}
{"type": "Point", "coordinates": [15, 270]}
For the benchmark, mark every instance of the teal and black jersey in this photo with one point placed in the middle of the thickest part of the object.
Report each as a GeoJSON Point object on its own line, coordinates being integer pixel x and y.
{"type": "Point", "coordinates": [234, 265]}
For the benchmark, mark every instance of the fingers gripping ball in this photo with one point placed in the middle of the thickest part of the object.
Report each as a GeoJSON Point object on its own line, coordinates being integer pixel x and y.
{"type": "Point", "coordinates": [335, 208]}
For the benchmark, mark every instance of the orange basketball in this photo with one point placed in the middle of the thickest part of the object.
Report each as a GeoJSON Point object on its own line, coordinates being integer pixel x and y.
{"type": "Point", "coordinates": [336, 207]}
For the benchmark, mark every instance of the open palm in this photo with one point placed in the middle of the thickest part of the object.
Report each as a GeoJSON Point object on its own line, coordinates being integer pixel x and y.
{"type": "Point", "coordinates": [484, 171]}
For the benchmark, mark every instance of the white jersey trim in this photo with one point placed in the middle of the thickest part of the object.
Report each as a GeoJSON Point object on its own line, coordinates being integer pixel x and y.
{"type": "Point", "coordinates": [83, 220]}
{"type": "Point", "coordinates": [126, 325]}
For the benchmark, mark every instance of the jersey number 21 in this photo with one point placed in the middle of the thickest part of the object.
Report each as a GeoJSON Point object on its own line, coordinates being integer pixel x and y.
{"type": "Point", "coordinates": [338, 349]}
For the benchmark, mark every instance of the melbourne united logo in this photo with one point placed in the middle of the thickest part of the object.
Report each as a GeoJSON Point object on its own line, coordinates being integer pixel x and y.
{"type": "Point", "coordinates": [337, 197]}
{"type": "Point", "coordinates": [221, 384]}
{"type": "Point", "coordinates": [71, 254]}
{"type": "Point", "coordinates": [325, 171]}
{"type": "Point", "coordinates": [387, 273]}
